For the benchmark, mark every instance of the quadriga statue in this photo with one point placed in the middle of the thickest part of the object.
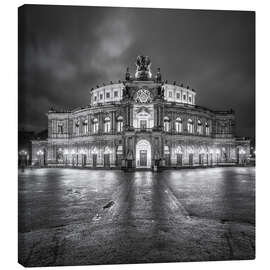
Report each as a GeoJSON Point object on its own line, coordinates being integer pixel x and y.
{"type": "Point", "coordinates": [143, 71]}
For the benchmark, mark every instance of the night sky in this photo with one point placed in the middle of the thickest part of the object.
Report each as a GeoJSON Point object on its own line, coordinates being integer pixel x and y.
{"type": "Point", "coordinates": [65, 51]}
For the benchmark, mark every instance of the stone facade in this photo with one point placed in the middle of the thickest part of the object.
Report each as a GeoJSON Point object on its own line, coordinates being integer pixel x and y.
{"type": "Point", "coordinates": [142, 122]}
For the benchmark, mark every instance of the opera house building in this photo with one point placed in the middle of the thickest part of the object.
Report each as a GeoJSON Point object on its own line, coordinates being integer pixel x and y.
{"type": "Point", "coordinates": [142, 122]}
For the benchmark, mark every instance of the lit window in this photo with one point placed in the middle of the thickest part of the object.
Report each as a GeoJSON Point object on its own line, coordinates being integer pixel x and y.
{"type": "Point", "coordinates": [108, 95]}
{"type": "Point", "coordinates": [95, 125]}
{"type": "Point", "coordinates": [199, 127]}
{"type": "Point", "coordinates": [116, 94]}
{"type": "Point", "coordinates": [120, 124]}
{"type": "Point", "coordinates": [166, 124]}
{"type": "Point", "coordinates": [107, 124]}
{"type": "Point", "coordinates": [178, 125]}
{"type": "Point", "coordinates": [143, 124]}
{"type": "Point", "coordinates": [85, 126]}
{"type": "Point", "coordinates": [190, 126]}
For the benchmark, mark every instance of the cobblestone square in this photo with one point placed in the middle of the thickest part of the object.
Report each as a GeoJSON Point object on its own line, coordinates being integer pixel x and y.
{"type": "Point", "coordinates": [76, 217]}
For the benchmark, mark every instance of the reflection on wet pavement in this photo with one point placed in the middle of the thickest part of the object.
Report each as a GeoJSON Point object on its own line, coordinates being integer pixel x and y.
{"type": "Point", "coordinates": [72, 217]}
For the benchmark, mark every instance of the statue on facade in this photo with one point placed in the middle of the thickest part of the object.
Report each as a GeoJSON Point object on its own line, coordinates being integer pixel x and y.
{"type": "Point", "coordinates": [158, 75]}
{"type": "Point", "coordinates": [127, 74]}
{"type": "Point", "coordinates": [143, 71]}
{"type": "Point", "coordinates": [126, 92]}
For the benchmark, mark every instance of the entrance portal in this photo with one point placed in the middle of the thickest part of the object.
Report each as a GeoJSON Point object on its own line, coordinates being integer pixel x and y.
{"type": "Point", "coordinates": [106, 160]}
{"type": "Point", "coordinates": [143, 154]}
{"type": "Point", "coordinates": [143, 158]}
{"type": "Point", "coordinates": [94, 160]}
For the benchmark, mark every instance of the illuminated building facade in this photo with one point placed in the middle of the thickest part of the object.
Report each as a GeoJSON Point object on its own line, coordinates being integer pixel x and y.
{"type": "Point", "coordinates": [141, 122]}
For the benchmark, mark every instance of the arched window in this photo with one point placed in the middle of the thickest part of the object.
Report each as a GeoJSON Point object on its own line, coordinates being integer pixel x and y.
{"type": "Point", "coordinates": [207, 129]}
{"type": "Point", "coordinates": [107, 124]}
{"type": "Point", "coordinates": [199, 127]}
{"type": "Point", "coordinates": [190, 127]}
{"type": "Point", "coordinates": [77, 127]}
{"type": "Point", "coordinates": [95, 125]}
{"type": "Point", "coordinates": [120, 124]}
{"type": "Point", "coordinates": [85, 127]}
{"type": "Point", "coordinates": [166, 124]}
{"type": "Point", "coordinates": [178, 125]}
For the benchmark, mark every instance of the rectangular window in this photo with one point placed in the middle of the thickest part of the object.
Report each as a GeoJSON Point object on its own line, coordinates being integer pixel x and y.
{"type": "Point", "coordinates": [119, 126]}
{"type": "Point", "coordinates": [179, 159]}
{"type": "Point", "coordinates": [100, 96]}
{"type": "Point", "coordinates": [60, 128]}
{"type": "Point", "coordinates": [116, 94]}
{"type": "Point", "coordinates": [184, 97]}
{"type": "Point", "coordinates": [189, 98]}
{"type": "Point", "coordinates": [107, 95]}
{"type": "Point", "coordinates": [143, 124]}
{"type": "Point", "coordinates": [95, 98]}
{"type": "Point", "coordinates": [178, 95]}
{"type": "Point", "coordinates": [170, 94]}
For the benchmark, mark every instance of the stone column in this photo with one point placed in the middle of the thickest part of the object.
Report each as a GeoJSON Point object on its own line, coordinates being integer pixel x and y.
{"type": "Point", "coordinates": [172, 121]}
{"type": "Point", "coordinates": [66, 127]}
{"type": "Point", "coordinates": [89, 124]}
{"type": "Point", "coordinates": [80, 126]}
{"type": "Point", "coordinates": [131, 116]}
{"type": "Point", "coordinates": [53, 126]}
{"type": "Point", "coordinates": [161, 108]}
{"type": "Point", "coordinates": [100, 123]}
{"type": "Point", "coordinates": [127, 116]}
{"type": "Point", "coordinates": [113, 121]}
{"type": "Point", "coordinates": [155, 115]}
{"type": "Point", "coordinates": [49, 128]}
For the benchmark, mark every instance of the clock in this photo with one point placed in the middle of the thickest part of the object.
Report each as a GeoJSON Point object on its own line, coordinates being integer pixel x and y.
{"type": "Point", "coordinates": [143, 96]}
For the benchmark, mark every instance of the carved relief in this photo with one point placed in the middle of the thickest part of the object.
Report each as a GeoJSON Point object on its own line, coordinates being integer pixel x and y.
{"type": "Point", "coordinates": [143, 96]}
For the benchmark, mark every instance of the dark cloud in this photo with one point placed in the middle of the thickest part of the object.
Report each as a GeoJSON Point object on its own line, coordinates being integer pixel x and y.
{"type": "Point", "coordinates": [69, 50]}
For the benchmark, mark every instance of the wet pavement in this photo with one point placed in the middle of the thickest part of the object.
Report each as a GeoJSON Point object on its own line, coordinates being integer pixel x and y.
{"type": "Point", "coordinates": [74, 217]}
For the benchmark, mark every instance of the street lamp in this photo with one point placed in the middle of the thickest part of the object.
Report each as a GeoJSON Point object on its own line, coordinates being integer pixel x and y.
{"type": "Point", "coordinates": [242, 153]}
{"type": "Point", "coordinates": [201, 157]}
{"type": "Point", "coordinates": [82, 152]}
{"type": "Point", "coordinates": [66, 155]}
{"type": "Point", "coordinates": [73, 152]}
{"type": "Point", "coordinates": [23, 158]}
{"type": "Point", "coordinates": [217, 154]}
{"type": "Point", "coordinates": [40, 154]}
{"type": "Point", "coordinates": [211, 157]}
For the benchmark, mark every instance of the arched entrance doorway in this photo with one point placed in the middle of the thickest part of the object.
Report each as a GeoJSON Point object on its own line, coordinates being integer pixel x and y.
{"type": "Point", "coordinates": [143, 154]}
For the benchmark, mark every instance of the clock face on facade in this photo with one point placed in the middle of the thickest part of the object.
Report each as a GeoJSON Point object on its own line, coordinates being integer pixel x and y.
{"type": "Point", "coordinates": [143, 96]}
